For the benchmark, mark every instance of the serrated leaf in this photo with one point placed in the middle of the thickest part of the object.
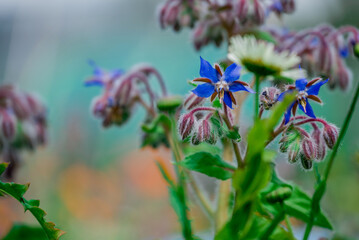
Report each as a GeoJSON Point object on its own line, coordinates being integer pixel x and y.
{"type": "Point", "coordinates": [298, 205]}
{"type": "Point", "coordinates": [211, 165]}
{"type": "Point", "coordinates": [17, 191]}
{"type": "Point", "coordinates": [25, 232]}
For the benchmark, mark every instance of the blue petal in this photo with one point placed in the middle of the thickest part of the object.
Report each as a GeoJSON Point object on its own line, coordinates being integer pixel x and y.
{"type": "Point", "coordinates": [314, 89]}
{"type": "Point", "coordinates": [344, 52]}
{"type": "Point", "coordinates": [94, 82]}
{"type": "Point", "coordinates": [288, 113]}
{"type": "Point", "coordinates": [117, 73]}
{"type": "Point", "coordinates": [301, 83]}
{"type": "Point", "coordinates": [235, 87]}
{"type": "Point", "coordinates": [227, 99]}
{"type": "Point", "coordinates": [96, 70]}
{"type": "Point", "coordinates": [207, 71]}
{"type": "Point", "coordinates": [204, 90]}
{"type": "Point", "coordinates": [308, 109]}
{"type": "Point", "coordinates": [232, 73]}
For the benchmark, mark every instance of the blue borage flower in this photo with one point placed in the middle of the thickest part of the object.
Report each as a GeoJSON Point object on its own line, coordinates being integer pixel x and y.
{"type": "Point", "coordinates": [306, 90]}
{"type": "Point", "coordinates": [218, 83]}
{"type": "Point", "coordinates": [100, 76]}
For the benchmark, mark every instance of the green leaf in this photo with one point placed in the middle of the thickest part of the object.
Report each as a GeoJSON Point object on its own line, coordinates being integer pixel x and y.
{"type": "Point", "coordinates": [170, 103]}
{"type": "Point", "coordinates": [211, 165]}
{"type": "Point", "coordinates": [152, 127]}
{"type": "Point", "coordinates": [17, 191]}
{"type": "Point", "coordinates": [25, 232]}
{"type": "Point", "coordinates": [3, 166]}
{"type": "Point", "coordinates": [248, 182]}
{"type": "Point", "coordinates": [216, 103]}
{"type": "Point", "coordinates": [298, 205]}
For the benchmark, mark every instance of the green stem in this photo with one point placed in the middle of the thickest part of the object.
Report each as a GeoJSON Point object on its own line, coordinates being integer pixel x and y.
{"type": "Point", "coordinates": [320, 190]}
{"type": "Point", "coordinates": [256, 102]}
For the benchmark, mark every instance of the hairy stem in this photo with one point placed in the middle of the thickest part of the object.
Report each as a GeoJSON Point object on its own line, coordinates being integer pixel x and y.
{"type": "Point", "coordinates": [320, 190]}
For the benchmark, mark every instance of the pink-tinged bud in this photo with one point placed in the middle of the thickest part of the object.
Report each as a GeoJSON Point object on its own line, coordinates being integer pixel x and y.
{"type": "Point", "coordinates": [242, 11]}
{"type": "Point", "coordinates": [330, 135]}
{"type": "Point", "coordinates": [123, 93]}
{"type": "Point", "coordinates": [324, 58]}
{"type": "Point", "coordinates": [259, 12]}
{"type": "Point", "coordinates": [185, 126]}
{"type": "Point", "coordinates": [193, 101]}
{"type": "Point", "coordinates": [203, 133]}
{"type": "Point", "coordinates": [288, 6]}
{"type": "Point", "coordinates": [344, 77]}
{"type": "Point", "coordinates": [8, 124]}
{"type": "Point", "coordinates": [320, 144]}
{"type": "Point", "coordinates": [308, 148]}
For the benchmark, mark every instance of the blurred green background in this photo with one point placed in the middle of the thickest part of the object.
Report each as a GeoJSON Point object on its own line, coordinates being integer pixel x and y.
{"type": "Point", "coordinates": [95, 183]}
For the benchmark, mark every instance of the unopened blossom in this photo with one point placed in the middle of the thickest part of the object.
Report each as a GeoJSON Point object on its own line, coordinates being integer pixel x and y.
{"type": "Point", "coordinates": [305, 90]}
{"type": "Point", "coordinates": [269, 97]}
{"type": "Point", "coordinates": [216, 83]}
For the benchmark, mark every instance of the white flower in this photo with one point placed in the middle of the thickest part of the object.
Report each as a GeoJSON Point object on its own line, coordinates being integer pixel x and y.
{"type": "Point", "coordinates": [261, 58]}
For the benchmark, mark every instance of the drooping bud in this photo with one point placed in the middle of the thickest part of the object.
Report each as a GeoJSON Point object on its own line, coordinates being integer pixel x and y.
{"type": "Point", "coordinates": [344, 77]}
{"type": "Point", "coordinates": [330, 135]}
{"type": "Point", "coordinates": [294, 152]}
{"type": "Point", "coordinates": [307, 164]}
{"type": "Point", "coordinates": [193, 101]}
{"type": "Point", "coordinates": [242, 11]}
{"type": "Point", "coordinates": [279, 195]}
{"type": "Point", "coordinates": [185, 126]}
{"type": "Point", "coordinates": [320, 144]}
{"type": "Point", "coordinates": [288, 6]}
{"type": "Point", "coordinates": [203, 133]}
{"type": "Point", "coordinates": [7, 124]}
{"type": "Point", "coordinates": [259, 12]}
{"type": "Point", "coordinates": [269, 97]}
{"type": "Point", "coordinates": [308, 148]}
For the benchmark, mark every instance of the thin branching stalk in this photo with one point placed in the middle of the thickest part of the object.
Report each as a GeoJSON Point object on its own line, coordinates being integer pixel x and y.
{"type": "Point", "coordinates": [320, 191]}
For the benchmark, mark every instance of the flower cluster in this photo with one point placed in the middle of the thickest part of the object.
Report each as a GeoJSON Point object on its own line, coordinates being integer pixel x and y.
{"type": "Point", "coordinates": [22, 125]}
{"type": "Point", "coordinates": [121, 92]}
{"type": "Point", "coordinates": [323, 50]}
{"type": "Point", "coordinates": [213, 21]}
{"type": "Point", "coordinates": [307, 147]}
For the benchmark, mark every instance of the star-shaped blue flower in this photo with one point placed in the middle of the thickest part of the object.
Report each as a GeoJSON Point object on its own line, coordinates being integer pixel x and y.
{"type": "Point", "coordinates": [100, 77]}
{"type": "Point", "coordinates": [306, 90]}
{"type": "Point", "coordinates": [218, 83]}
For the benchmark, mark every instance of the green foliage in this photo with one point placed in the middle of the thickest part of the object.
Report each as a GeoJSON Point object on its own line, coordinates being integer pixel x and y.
{"type": "Point", "coordinates": [298, 205]}
{"type": "Point", "coordinates": [169, 103]}
{"type": "Point", "coordinates": [152, 126]}
{"type": "Point", "coordinates": [262, 35]}
{"type": "Point", "coordinates": [211, 165]}
{"type": "Point", "coordinates": [17, 191]}
{"type": "Point", "coordinates": [24, 232]}
{"type": "Point", "coordinates": [234, 134]}
{"type": "Point", "coordinates": [249, 181]}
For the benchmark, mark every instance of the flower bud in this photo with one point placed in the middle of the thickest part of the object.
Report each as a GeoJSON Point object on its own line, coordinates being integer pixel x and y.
{"type": "Point", "coordinates": [330, 135]}
{"type": "Point", "coordinates": [279, 195]}
{"type": "Point", "coordinates": [8, 124]}
{"type": "Point", "coordinates": [308, 148]}
{"type": "Point", "coordinates": [320, 144]}
{"type": "Point", "coordinates": [269, 97]}
{"type": "Point", "coordinates": [288, 6]}
{"type": "Point", "coordinates": [193, 101]}
{"type": "Point", "coordinates": [344, 77]}
{"type": "Point", "coordinates": [356, 50]}
{"type": "Point", "coordinates": [203, 133]}
{"type": "Point", "coordinates": [242, 11]}
{"type": "Point", "coordinates": [259, 12]}
{"type": "Point", "coordinates": [169, 103]}
{"type": "Point", "coordinates": [307, 164]}
{"type": "Point", "coordinates": [185, 126]}
{"type": "Point", "coordinates": [294, 152]}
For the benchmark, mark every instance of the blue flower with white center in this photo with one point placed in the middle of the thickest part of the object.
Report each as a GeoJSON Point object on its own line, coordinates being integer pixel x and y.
{"type": "Point", "coordinates": [218, 83]}
{"type": "Point", "coordinates": [101, 77]}
{"type": "Point", "coordinates": [306, 90]}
